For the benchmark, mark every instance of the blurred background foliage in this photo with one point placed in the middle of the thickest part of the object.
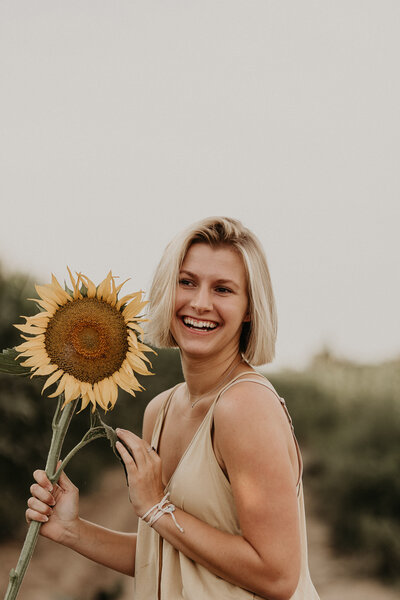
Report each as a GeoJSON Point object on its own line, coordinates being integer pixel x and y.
{"type": "Point", "coordinates": [347, 420]}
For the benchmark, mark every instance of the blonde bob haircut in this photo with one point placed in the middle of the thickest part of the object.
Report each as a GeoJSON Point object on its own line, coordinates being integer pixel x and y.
{"type": "Point", "coordinates": [257, 342]}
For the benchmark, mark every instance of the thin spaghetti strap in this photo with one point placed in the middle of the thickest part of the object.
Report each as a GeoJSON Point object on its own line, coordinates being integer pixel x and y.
{"type": "Point", "coordinates": [265, 383]}
{"type": "Point", "coordinates": [159, 423]}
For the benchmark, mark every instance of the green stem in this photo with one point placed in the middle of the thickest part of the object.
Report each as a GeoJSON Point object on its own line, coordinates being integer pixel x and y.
{"type": "Point", "coordinates": [61, 420]}
{"type": "Point", "coordinates": [94, 433]}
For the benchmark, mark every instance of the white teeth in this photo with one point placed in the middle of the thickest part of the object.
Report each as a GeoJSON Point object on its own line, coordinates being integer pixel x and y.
{"type": "Point", "coordinates": [199, 324]}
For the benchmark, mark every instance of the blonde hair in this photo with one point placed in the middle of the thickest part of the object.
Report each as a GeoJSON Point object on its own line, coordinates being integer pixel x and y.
{"type": "Point", "coordinates": [257, 342]}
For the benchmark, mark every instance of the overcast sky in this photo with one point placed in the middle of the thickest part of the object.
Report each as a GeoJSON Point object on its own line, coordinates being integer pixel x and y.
{"type": "Point", "coordinates": [123, 122]}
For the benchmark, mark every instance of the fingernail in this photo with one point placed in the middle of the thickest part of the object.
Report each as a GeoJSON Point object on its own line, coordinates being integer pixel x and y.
{"type": "Point", "coordinates": [46, 519]}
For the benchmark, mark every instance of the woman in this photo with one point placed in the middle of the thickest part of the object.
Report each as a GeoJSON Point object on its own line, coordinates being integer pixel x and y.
{"type": "Point", "coordinates": [216, 478]}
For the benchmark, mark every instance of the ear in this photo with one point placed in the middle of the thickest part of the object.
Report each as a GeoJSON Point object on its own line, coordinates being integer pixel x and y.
{"type": "Point", "coordinates": [247, 318]}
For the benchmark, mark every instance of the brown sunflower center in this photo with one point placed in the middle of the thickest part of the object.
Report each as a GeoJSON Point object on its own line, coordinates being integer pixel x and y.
{"type": "Point", "coordinates": [87, 338]}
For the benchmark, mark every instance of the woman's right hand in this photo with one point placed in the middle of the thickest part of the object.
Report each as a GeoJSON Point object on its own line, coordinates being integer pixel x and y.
{"type": "Point", "coordinates": [56, 507]}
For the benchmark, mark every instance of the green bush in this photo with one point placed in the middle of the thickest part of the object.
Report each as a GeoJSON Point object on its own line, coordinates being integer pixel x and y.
{"type": "Point", "coordinates": [347, 418]}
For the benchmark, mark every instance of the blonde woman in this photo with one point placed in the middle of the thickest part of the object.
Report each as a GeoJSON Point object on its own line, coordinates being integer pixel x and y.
{"type": "Point", "coordinates": [216, 479]}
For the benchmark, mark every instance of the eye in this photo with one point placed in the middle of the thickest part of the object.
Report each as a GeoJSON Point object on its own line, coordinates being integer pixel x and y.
{"type": "Point", "coordinates": [186, 282]}
{"type": "Point", "coordinates": [223, 290]}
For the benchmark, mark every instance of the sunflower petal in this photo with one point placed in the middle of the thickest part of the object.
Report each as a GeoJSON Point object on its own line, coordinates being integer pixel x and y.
{"type": "Point", "coordinates": [114, 393]}
{"type": "Point", "coordinates": [98, 396]}
{"type": "Point", "coordinates": [49, 306]}
{"type": "Point", "coordinates": [72, 389]}
{"type": "Point", "coordinates": [52, 379]}
{"type": "Point", "coordinates": [137, 364]}
{"type": "Point", "coordinates": [47, 293]}
{"type": "Point", "coordinates": [119, 287]}
{"type": "Point", "coordinates": [46, 370]}
{"type": "Point", "coordinates": [59, 289]}
{"type": "Point", "coordinates": [34, 344]}
{"type": "Point", "coordinates": [118, 380]}
{"type": "Point", "coordinates": [30, 329]}
{"type": "Point", "coordinates": [104, 288]}
{"type": "Point", "coordinates": [61, 386]}
{"type": "Point", "coordinates": [38, 360]}
{"type": "Point", "coordinates": [85, 401]}
{"type": "Point", "coordinates": [136, 327]}
{"type": "Point", "coordinates": [91, 288]}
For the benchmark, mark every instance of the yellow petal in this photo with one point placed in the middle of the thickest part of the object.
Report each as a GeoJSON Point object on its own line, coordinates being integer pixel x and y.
{"type": "Point", "coordinates": [65, 297]}
{"type": "Point", "coordinates": [119, 287]}
{"type": "Point", "coordinates": [118, 380]}
{"type": "Point", "coordinates": [85, 401]}
{"type": "Point", "coordinates": [30, 329]}
{"type": "Point", "coordinates": [72, 389]}
{"type": "Point", "coordinates": [38, 320]}
{"type": "Point", "coordinates": [49, 306]}
{"type": "Point", "coordinates": [98, 396]}
{"type": "Point", "coordinates": [132, 338]}
{"type": "Point", "coordinates": [52, 379]}
{"type": "Point", "coordinates": [37, 360]}
{"type": "Point", "coordinates": [114, 393]}
{"type": "Point", "coordinates": [47, 293]}
{"type": "Point", "coordinates": [129, 380]}
{"type": "Point", "coordinates": [104, 288]}
{"type": "Point", "coordinates": [92, 397]}
{"type": "Point", "coordinates": [46, 370]}
{"type": "Point", "coordinates": [61, 386]}
{"type": "Point", "coordinates": [35, 344]}
{"type": "Point", "coordinates": [145, 348]}
{"type": "Point", "coordinates": [137, 364]}
{"type": "Point", "coordinates": [91, 288]}
{"type": "Point", "coordinates": [132, 309]}
{"type": "Point", "coordinates": [136, 327]}
{"type": "Point", "coordinates": [112, 297]}
{"type": "Point", "coordinates": [136, 295]}
{"type": "Point", "coordinates": [105, 392]}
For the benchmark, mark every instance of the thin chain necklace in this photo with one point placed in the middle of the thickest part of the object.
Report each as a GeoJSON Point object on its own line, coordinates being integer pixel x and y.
{"type": "Point", "coordinates": [219, 384]}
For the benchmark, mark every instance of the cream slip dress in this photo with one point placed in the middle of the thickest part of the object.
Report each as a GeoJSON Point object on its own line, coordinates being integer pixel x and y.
{"type": "Point", "coordinates": [200, 487]}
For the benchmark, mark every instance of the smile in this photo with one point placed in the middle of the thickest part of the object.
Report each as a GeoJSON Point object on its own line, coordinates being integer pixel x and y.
{"type": "Point", "coordinates": [199, 325]}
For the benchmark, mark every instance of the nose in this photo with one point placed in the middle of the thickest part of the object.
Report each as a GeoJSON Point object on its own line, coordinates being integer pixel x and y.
{"type": "Point", "coordinates": [201, 300]}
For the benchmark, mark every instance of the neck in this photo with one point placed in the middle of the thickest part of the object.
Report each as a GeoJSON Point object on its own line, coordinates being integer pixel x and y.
{"type": "Point", "coordinates": [202, 375]}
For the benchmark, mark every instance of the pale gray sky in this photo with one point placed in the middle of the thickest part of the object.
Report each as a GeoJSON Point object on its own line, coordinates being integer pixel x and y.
{"type": "Point", "coordinates": [123, 122]}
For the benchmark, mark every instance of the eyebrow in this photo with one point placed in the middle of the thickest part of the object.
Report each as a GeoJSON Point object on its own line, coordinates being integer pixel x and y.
{"type": "Point", "coordinates": [218, 281]}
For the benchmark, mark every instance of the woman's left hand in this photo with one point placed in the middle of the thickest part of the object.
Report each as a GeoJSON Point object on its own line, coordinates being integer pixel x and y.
{"type": "Point", "coordinates": [143, 467]}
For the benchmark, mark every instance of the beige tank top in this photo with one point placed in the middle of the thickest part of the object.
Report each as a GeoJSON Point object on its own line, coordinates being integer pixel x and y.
{"type": "Point", "coordinates": [200, 487]}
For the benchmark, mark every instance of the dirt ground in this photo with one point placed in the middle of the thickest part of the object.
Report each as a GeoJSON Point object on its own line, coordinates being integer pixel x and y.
{"type": "Point", "coordinates": [56, 573]}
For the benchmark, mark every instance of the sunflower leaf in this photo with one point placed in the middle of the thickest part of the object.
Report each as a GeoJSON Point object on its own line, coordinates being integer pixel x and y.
{"type": "Point", "coordinates": [9, 363]}
{"type": "Point", "coordinates": [113, 439]}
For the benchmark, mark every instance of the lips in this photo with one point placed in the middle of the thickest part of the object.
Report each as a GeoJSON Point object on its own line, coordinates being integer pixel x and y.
{"type": "Point", "coordinates": [199, 324]}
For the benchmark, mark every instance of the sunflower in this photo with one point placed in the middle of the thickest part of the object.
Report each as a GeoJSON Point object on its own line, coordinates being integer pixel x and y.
{"type": "Point", "coordinates": [85, 338]}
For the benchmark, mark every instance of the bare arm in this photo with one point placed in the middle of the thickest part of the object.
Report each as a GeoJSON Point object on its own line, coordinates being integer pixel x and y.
{"type": "Point", "coordinates": [58, 510]}
{"type": "Point", "coordinates": [254, 441]}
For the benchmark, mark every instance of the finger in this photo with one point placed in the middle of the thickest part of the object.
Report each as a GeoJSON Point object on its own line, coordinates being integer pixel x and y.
{"type": "Point", "coordinates": [41, 494]}
{"type": "Point", "coordinates": [65, 483]}
{"type": "Point", "coordinates": [125, 455]}
{"type": "Point", "coordinates": [32, 515]}
{"type": "Point", "coordinates": [41, 478]}
{"type": "Point", "coordinates": [136, 446]}
{"type": "Point", "coordinates": [39, 507]}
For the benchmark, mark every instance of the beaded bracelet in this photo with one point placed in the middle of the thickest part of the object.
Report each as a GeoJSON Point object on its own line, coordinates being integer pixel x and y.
{"type": "Point", "coordinates": [164, 507]}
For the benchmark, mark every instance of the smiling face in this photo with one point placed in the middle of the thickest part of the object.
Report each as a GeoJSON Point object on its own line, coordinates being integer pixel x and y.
{"type": "Point", "coordinates": [211, 301]}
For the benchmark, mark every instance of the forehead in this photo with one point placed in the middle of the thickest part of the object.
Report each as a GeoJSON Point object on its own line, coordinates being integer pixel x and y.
{"type": "Point", "coordinates": [215, 262]}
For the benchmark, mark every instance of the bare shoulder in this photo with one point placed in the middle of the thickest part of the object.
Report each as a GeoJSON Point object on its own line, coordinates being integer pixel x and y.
{"type": "Point", "coordinates": [151, 412]}
{"type": "Point", "coordinates": [249, 420]}
{"type": "Point", "coordinates": [247, 403]}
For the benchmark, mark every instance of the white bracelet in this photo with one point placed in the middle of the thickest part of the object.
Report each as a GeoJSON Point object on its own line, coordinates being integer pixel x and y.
{"type": "Point", "coordinates": [164, 507]}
